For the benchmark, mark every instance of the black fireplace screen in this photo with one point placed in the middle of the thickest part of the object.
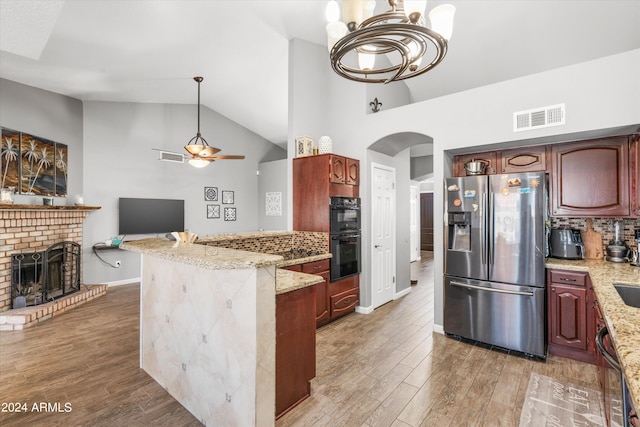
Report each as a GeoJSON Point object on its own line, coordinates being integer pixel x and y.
{"type": "Point", "coordinates": [40, 277]}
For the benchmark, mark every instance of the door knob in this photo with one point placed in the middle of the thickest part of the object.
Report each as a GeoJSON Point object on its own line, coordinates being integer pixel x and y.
{"type": "Point", "coordinates": [377, 246]}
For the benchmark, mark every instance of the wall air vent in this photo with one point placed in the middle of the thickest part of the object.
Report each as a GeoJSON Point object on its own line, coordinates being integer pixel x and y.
{"type": "Point", "coordinates": [553, 115]}
{"type": "Point", "coordinates": [168, 156]}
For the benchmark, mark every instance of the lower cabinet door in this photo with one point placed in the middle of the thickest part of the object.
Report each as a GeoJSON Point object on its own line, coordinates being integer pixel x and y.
{"type": "Point", "coordinates": [567, 316]}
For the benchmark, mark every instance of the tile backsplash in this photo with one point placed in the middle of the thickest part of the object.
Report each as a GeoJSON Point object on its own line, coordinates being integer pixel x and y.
{"type": "Point", "coordinates": [604, 226]}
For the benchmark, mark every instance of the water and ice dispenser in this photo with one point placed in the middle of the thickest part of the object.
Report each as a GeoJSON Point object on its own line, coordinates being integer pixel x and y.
{"type": "Point", "coordinates": [459, 230]}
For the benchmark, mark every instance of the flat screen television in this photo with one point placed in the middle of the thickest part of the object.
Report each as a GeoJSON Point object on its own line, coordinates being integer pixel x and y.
{"type": "Point", "coordinates": [150, 216]}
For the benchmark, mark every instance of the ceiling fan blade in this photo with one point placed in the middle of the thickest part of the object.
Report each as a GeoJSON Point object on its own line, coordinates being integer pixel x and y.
{"type": "Point", "coordinates": [208, 151]}
{"type": "Point", "coordinates": [230, 157]}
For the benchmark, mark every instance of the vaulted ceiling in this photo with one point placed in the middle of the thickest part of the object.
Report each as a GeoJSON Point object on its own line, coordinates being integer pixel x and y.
{"type": "Point", "coordinates": [148, 51]}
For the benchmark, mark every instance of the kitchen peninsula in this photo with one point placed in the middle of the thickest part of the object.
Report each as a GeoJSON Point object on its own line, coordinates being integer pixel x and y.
{"type": "Point", "coordinates": [208, 327]}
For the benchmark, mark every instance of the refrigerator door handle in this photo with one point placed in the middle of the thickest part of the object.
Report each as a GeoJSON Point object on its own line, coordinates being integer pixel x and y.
{"type": "Point", "coordinates": [491, 230]}
{"type": "Point", "coordinates": [483, 228]}
{"type": "Point", "coordinates": [482, 288]}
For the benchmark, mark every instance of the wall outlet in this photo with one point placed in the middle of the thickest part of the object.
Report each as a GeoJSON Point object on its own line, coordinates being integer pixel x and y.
{"type": "Point", "coordinates": [117, 264]}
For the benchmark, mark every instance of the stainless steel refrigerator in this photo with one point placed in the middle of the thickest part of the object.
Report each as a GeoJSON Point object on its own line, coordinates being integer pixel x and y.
{"type": "Point", "coordinates": [495, 246]}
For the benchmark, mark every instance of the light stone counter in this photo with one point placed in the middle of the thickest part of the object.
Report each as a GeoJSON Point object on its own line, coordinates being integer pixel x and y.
{"type": "Point", "coordinates": [622, 320]}
{"type": "Point", "coordinates": [287, 281]}
{"type": "Point", "coordinates": [208, 257]}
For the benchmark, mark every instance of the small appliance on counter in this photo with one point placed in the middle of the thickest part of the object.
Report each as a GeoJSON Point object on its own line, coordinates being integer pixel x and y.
{"type": "Point", "coordinates": [566, 243]}
{"type": "Point", "coordinates": [634, 256]}
{"type": "Point", "coordinates": [618, 249]}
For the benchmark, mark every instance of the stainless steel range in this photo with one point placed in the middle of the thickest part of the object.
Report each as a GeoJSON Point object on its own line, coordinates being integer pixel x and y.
{"type": "Point", "coordinates": [494, 260]}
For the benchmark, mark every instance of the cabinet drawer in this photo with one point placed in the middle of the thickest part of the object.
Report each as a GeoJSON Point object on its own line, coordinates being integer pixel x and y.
{"type": "Point", "coordinates": [344, 301]}
{"type": "Point", "coordinates": [297, 267]}
{"type": "Point", "coordinates": [316, 266]}
{"type": "Point", "coordinates": [568, 278]}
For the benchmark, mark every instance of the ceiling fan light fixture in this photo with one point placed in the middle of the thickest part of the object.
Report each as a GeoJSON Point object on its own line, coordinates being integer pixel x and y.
{"type": "Point", "coordinates": [198, 162]}
{"type": "Point", "coordinates": [400, 34]}
{"type": "Point", "coordinates": [200, 151]}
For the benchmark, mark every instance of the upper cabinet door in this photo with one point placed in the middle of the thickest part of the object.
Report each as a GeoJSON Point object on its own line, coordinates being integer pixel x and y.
{"type": "Point", "coordinates": [338, 167]}
{"type": "Point", "coordinates": [634, 169]}
{"type": "Point", "coordinates": [528, 159]}
{"type": "Point", "coordinates": [353, 172]}
{"type": "Point", "coordinates": [591, 178]}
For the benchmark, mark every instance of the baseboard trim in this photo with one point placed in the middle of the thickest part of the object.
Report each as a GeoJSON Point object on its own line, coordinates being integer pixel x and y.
{"type": "Point", "coordinates": [124, 282]}
{"type": "Point", "coordinates": [438, 328]}
{"type": "Point", "coordinates": [364, 310]}
{"type": "Point", "coordinates": [402, 293]}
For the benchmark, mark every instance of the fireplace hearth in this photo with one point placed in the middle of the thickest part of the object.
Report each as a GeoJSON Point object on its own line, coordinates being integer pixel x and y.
{"type": "Point", "coordinates": [43, 276]}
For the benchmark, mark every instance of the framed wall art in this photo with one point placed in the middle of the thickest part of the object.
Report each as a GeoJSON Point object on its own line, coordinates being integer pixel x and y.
{"type": "Point", "coordinates": [229, 214]}
{"type": "Point", "coordinates": [273, 204]}
{"type": "Point", "coordinates": [33, 165]}
{"type": "Point", "coordinates": [210, 194]}
{"type": "Point", "coordinates": [227, 197]}
{"type": "Point", "coordinates": [213, 211]}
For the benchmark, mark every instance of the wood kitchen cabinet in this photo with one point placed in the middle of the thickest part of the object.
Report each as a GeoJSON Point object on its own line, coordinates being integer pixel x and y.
{"type": "Point", "coordinates": [591, 178]}
{"type": "Point", "coordinates": [322, 269]}
{"type": "Point", "coordinates": [332, 299]}
{"type": "Point", "coordinates": [295, 347]}
{"type": "Point", "coordinates": [570, 315]}
{"type": "Point", "coordinates": [524, 159]}
{"type": "Point", "coordinates": [315, 179]}
{"type": "Point", "coordinates": [634, 171]}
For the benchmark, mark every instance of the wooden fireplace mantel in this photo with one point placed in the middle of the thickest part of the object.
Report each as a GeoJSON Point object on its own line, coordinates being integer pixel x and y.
{"type": "Point", "coordinates": [16, 207]}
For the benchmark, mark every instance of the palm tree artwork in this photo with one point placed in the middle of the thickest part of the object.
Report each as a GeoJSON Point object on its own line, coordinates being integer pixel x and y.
{"type": "Point", "coordinates": [37, 160]}
{"type": "Point", "coordinates": [9, 155]}
{"type": "Point", "coordinates": [61, 170]}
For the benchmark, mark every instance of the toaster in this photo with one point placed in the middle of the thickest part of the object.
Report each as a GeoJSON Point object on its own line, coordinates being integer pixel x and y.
{"type": "Point", "coordinates": [566, 243]}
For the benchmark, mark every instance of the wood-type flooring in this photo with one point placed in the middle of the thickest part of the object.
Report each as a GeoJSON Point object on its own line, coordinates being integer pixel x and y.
{"type": "Point", "coordinates": [386, 368]}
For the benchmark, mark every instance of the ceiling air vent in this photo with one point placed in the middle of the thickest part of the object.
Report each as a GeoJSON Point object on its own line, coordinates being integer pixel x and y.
{"type": "Point", "coordinates": [168, 156]}
{"type": "Point", "coordinates": [543, 117]}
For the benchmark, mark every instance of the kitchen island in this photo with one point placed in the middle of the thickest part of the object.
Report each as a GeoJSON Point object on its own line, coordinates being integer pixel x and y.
{"type": "Point", "coordinates": [208, 327]}
{"type": "Point", "coordinates": [623, 321]}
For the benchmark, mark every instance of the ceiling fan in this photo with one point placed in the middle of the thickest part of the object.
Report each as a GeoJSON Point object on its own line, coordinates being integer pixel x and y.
{"type": "Point", "coordinates": [200, 152]}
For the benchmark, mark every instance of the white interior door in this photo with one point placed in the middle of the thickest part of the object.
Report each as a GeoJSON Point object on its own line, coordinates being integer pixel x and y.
{"type": "Point", "coordinates": [414, 223]}
{"type": "Point", "coordinates": [383, 220]}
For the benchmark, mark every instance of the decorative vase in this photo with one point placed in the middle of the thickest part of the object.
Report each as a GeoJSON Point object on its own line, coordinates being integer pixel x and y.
{"type": "Point", "coordinates": [325, 144]}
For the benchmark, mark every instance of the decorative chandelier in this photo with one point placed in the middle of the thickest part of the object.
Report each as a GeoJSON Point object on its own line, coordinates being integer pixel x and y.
{"type": "Point", "coordinates": [200, 151]}
{"type": "Point", "coordinates": [392, 46]}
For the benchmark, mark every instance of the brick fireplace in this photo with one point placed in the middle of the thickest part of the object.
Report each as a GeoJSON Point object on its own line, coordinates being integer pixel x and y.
{"type": "Point", "coordinates": [33, 228]}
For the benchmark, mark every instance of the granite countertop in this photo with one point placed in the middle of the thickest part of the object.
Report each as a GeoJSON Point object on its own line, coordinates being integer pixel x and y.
{"type": "Point", "coordinates": [287, 281]}
{"type": "Point", "coordinates": [208, 257]}
{"type": "Point", "coordinates": [302, 259]}
{"type": "Point", "coordinates": [623, 321]}
{"type": "Point", "coordinates": [215, 258]}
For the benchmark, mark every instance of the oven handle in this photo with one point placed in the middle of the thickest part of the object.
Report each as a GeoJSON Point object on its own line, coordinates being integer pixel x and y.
{"type": "Point", "coordinates": [345, 208]}
{"type": "Point", "coordinates": [346, 238]}
{"type": "Point", "coordinates": [603, 351]}
{"type": "Point", "coordinates": [482, 288]}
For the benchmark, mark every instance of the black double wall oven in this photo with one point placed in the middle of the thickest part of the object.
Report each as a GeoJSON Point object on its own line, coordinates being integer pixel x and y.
{"type": "Point", "coordinates": [345, 237]}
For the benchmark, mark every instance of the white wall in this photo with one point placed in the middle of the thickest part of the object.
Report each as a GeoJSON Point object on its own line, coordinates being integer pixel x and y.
{"type": "Point", "coordinates": [273, 178]}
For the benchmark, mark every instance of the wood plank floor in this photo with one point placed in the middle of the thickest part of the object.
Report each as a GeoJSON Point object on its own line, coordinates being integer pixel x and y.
{"type": "Point", "coordinates": [387, 368]}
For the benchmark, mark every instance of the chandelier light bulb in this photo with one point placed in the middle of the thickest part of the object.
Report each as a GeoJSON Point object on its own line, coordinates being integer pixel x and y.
{"type": "Point", "coordinates": [368, 9]}
{"type": "Point", "coordinates": [414, 9]}
{"type": "Point", "coordinates": [335, 31]}
{"type": "Point", "coordinates": [366, 61]}
{"type": "Point", "coordinates": [352, 12]}
{"type": "Point", "coordinates": [442, 20]}
{"type": "Point", "coordinates": [332, 12]}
